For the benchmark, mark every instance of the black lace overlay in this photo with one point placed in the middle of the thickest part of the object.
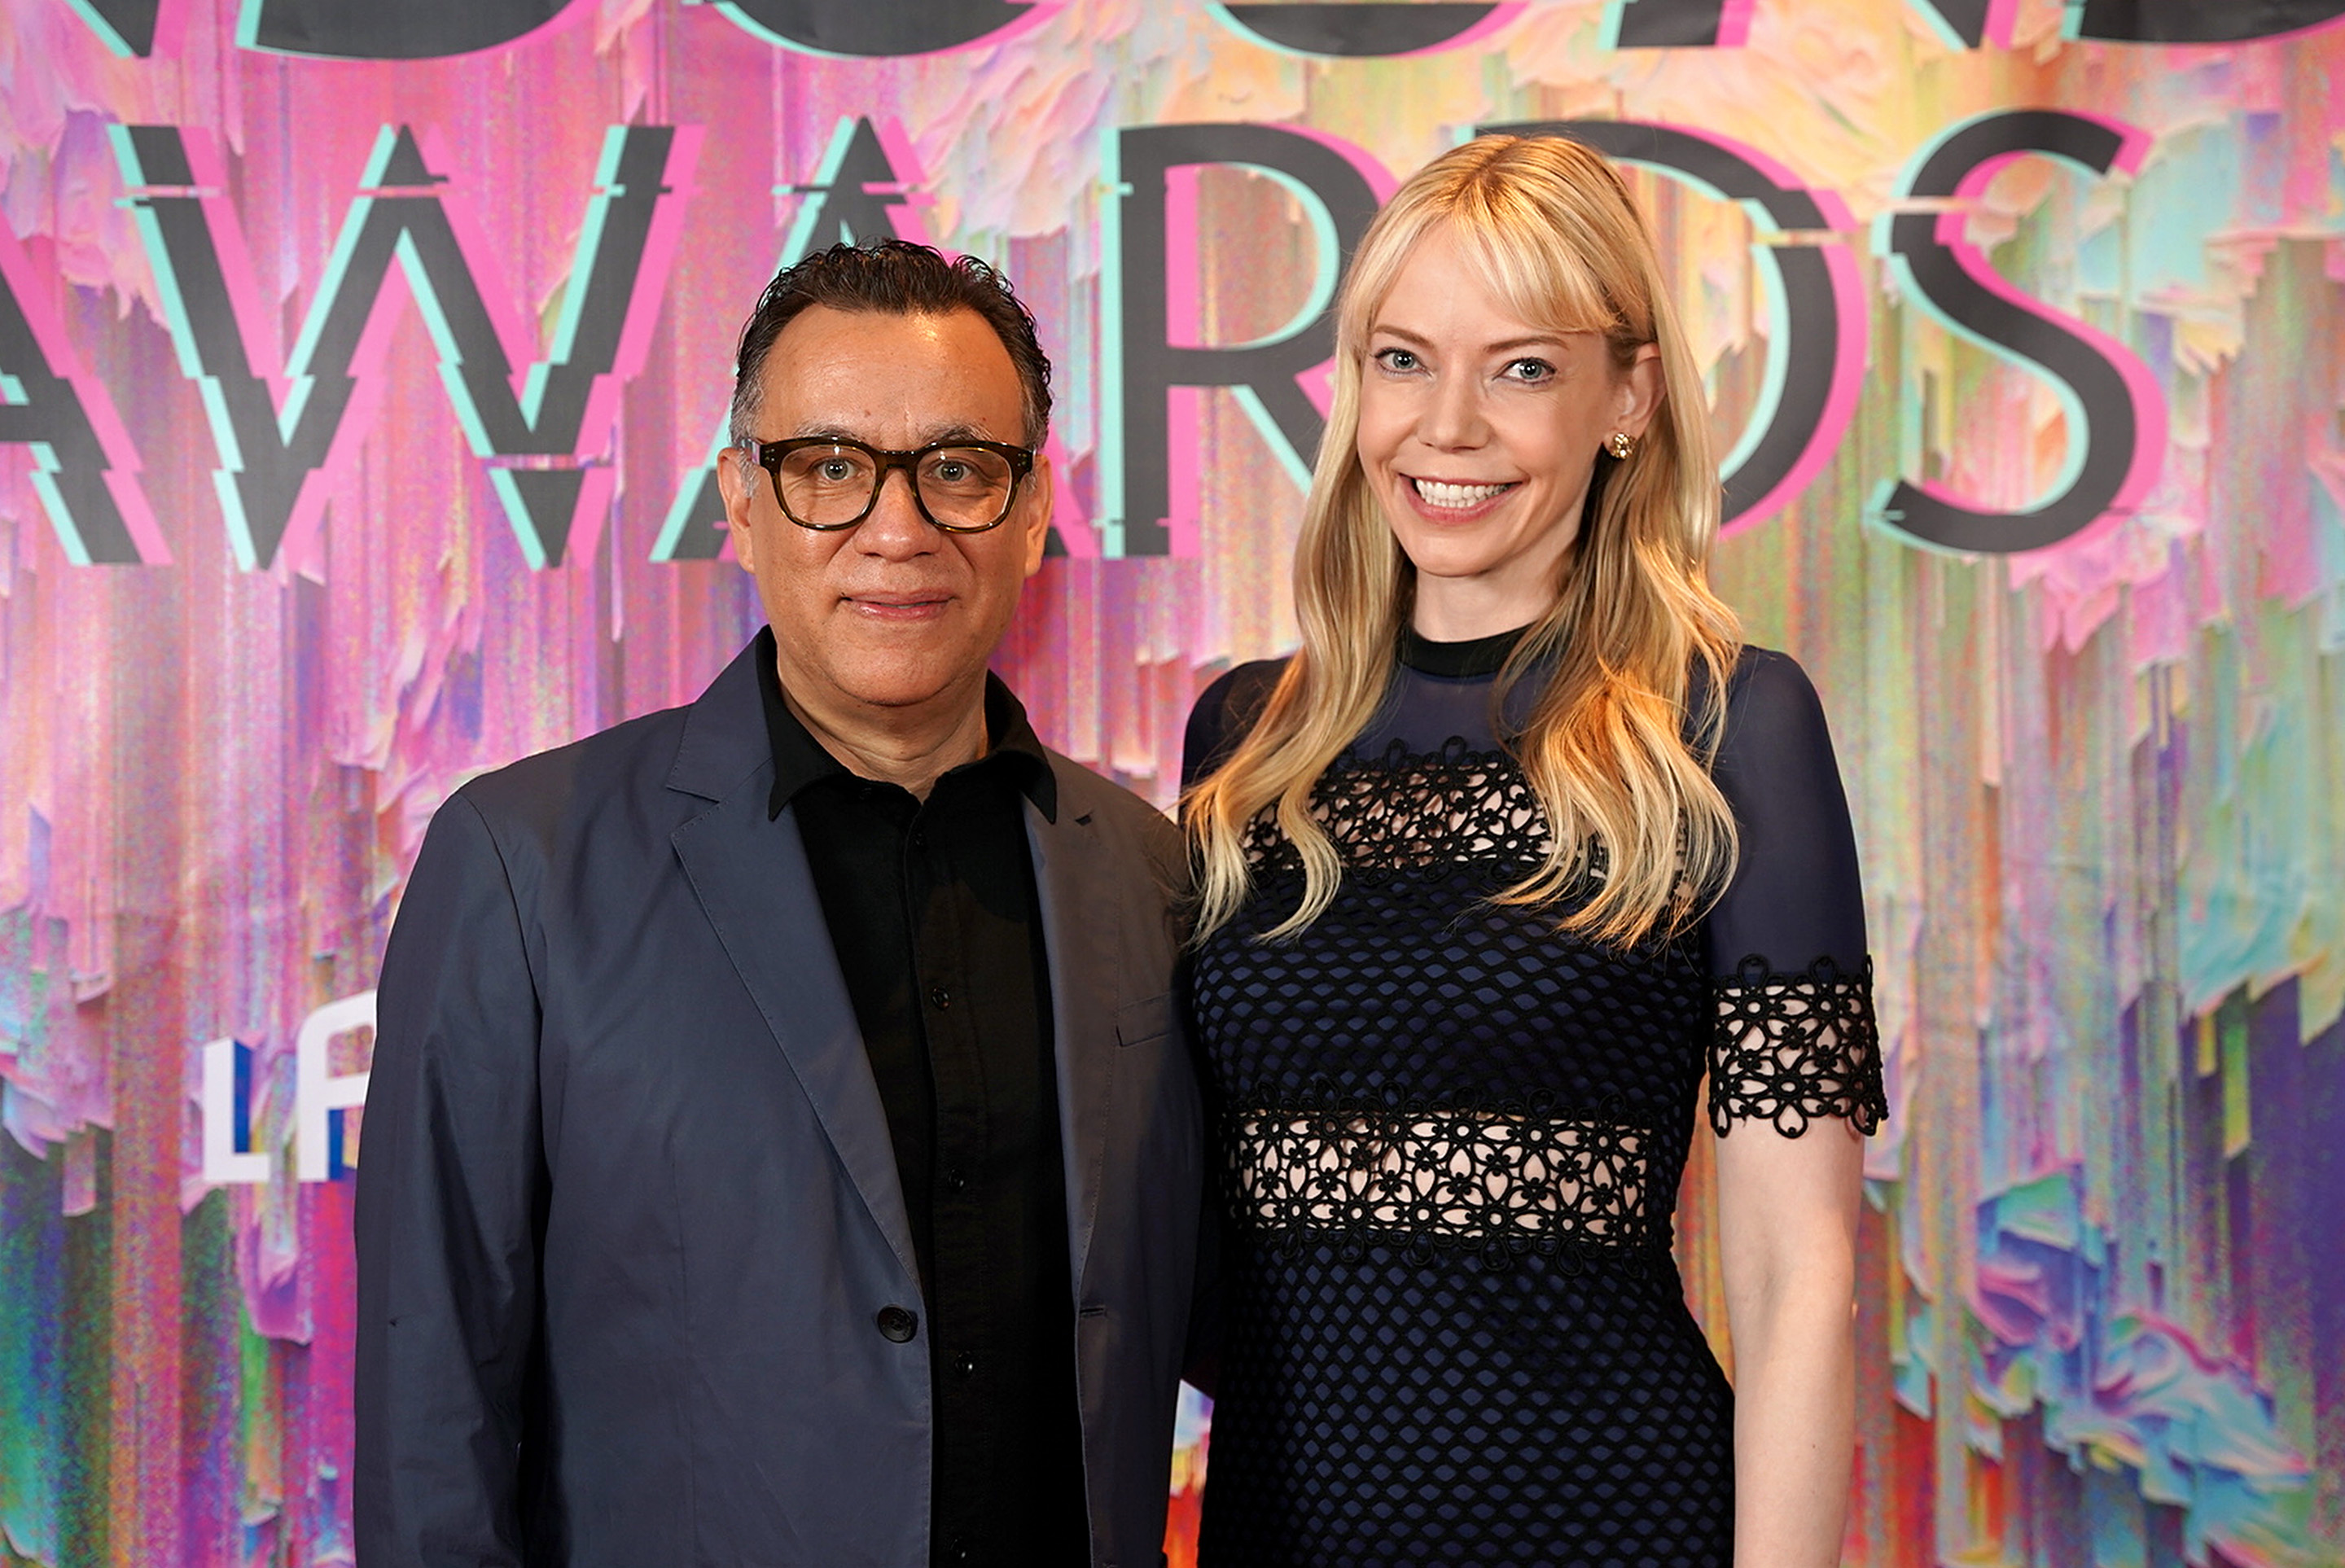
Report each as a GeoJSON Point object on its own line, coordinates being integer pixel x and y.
{"type": "Point", "coordinates": [1453, 1329]}
{"type": "Point", "coordinates": [1791, 1048]}
{"type": "Point", "coordinates": [1505, 1182]}
{"type": "Point", "coordinates": [1402, 810]}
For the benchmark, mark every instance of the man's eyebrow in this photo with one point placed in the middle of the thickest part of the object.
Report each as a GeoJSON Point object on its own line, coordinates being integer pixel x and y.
{"type": "Point", "coordinates": [958, 431]}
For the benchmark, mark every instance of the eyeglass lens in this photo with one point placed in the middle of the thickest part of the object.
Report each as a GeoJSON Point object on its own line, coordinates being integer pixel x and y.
{"type": "Point", "coordinates": [962, 487]}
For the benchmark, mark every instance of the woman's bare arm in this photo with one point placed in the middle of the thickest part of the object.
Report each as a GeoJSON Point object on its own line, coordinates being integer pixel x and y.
{"type": "Point", "coordinates": [1787, 1230]}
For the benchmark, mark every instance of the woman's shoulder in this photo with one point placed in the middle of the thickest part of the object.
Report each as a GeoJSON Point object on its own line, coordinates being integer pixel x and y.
{"type": "Point", "coordinates": [1768, 687]}
{"type": "Point", "coordinates": [1775, 725]}
{"type": "Point", "coordinates": [1225, 712]}
{"type": "Point", "coordinates": [1760, 682]}
{"type": "Point", "coordinates": [1757, 673]}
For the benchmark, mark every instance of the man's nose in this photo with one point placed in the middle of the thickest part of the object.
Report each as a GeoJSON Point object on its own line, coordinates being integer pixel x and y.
{"type": "Point", "coordinates": [894, 527]}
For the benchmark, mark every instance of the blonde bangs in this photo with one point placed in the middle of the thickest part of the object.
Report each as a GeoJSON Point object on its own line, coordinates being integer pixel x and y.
{"type": "Point", "coordinates": [1549, 287]}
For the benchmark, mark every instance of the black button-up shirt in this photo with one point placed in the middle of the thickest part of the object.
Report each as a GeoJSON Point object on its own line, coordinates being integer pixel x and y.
{"type": "Point", "coordinates": [932, 908]}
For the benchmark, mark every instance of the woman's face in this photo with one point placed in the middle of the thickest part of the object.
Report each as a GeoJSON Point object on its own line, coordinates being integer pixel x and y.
{"type": "Point", "coordinates": [1478, 434]}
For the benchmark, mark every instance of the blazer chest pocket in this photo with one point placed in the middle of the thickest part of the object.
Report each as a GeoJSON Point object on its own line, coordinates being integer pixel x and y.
{"type": "Point", "coordinates": [1144, 1022]}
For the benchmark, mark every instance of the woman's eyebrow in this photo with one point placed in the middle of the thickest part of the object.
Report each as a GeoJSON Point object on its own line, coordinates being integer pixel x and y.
{"type": "Point", "coordinates": [1507, 345]}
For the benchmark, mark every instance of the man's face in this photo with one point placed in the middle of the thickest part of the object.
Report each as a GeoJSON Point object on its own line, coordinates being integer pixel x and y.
{"type": "Point", "coordinates": [894, 614]}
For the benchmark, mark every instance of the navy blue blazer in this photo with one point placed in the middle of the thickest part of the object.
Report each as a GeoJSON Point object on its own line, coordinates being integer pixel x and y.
{"type": "Point", "coordinates": [633, 1258]}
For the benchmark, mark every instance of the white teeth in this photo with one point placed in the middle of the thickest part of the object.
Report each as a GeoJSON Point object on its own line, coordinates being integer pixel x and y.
{"type": "Point", "coordinates": [1455, 495]}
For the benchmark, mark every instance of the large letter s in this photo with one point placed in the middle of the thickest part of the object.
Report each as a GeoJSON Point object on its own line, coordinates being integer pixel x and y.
{"type": "Point", "coordinates": [2115, 411]}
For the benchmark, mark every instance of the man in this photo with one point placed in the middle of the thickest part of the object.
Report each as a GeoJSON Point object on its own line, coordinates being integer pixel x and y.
{"type": "Point", "coordinates": [780, 1148]}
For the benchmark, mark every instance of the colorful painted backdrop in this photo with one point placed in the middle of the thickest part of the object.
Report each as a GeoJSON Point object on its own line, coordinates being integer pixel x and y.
{"type": "Point", "coordinates": [360, 367]}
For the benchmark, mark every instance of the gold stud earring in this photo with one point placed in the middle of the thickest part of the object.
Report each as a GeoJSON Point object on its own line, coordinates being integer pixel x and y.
{"type": "Point", "coordinates": [1621, 445]}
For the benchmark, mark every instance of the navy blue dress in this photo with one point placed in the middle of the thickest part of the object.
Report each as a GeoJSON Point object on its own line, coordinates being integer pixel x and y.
{"type": "Point", "coordinates": [1452, 1136]}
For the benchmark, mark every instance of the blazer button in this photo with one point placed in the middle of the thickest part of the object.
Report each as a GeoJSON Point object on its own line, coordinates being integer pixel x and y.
{"type": "Point", "coordinates": [940, 998]}
{"type": "Point", "coordinates": [897, 1324]}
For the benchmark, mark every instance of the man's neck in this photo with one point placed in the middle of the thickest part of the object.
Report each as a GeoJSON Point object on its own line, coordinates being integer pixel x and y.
{"type": "Point", "coordinates": [910, 748]}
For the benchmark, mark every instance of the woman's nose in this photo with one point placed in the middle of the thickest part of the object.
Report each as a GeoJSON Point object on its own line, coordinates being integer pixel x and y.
{"type": "Point", "coordinates": [1452, 415]}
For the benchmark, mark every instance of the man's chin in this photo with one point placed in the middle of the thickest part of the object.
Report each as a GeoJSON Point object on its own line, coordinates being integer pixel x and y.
{"type": "Point", "coordinates": [896, 699]}
{"type": "Point", "coordinates": [904, 684]}
{"type": "Point", "coordinates": [898, 668]}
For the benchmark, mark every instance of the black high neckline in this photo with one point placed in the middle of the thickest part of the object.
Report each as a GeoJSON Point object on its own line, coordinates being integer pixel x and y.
{"type": "Point", "coordinates": [1479, 656]}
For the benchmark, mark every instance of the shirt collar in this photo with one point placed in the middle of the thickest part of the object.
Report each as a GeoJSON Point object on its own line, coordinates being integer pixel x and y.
{"type": "Point", "coordinates": [1476, 656]}
{"type": "Point", "coordinates": [799, 759]}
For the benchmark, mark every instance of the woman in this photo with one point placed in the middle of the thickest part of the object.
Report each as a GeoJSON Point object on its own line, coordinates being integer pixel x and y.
{"type": "Point", "coordinates": [1518, 845]}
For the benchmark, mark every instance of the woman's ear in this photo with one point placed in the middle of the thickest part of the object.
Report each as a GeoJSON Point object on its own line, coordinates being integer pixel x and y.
{"type": "Point", "coordinates": [1641, 392]}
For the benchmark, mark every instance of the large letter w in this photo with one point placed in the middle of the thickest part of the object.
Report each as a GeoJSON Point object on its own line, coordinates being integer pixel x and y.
{"type": "Point", "coordinates": [542, 432]}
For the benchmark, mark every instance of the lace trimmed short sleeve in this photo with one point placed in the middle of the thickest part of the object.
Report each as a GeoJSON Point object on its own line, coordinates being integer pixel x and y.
{"type": "Point", "coordinates": [1794, 1039]}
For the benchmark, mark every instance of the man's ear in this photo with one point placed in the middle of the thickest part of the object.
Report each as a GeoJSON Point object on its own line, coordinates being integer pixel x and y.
{"type": "Point", "coordinates": [1035, 501]}
{"type": "Point", "coordinates": [735, 480]}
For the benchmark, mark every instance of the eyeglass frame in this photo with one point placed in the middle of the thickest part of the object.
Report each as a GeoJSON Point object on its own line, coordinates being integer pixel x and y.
{"type": "Point", "coordinates": [768, 455]}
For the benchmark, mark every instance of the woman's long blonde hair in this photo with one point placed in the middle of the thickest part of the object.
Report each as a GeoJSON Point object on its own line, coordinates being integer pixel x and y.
{"type": "Point", "coordinates": [1556, 238]}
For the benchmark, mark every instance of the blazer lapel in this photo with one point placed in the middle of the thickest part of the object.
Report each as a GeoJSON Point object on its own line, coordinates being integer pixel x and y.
{"type": "Point", "coordinates": [1081, 931]}
{"type": "Point", "coordinates": [751, 877]}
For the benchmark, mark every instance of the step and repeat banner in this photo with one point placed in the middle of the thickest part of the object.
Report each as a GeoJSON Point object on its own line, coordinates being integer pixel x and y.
{"type": "Point", "coordinates": [360, 371]}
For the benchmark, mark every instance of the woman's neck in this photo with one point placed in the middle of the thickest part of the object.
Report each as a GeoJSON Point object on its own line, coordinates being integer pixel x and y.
{"type": "Point", "coordinates": [1460, 612]}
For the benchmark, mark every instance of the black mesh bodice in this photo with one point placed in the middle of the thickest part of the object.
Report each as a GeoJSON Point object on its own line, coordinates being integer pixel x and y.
{"type": "Point", "coordinates": [1452, 1137]}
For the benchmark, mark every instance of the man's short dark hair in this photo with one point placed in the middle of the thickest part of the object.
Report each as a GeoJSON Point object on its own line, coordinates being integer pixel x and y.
{"type": "Point", "coordinates": [891, 278]}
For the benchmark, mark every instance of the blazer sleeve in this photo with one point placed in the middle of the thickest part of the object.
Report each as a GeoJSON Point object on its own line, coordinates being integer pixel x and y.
{"type": "Point", "coordinates": [452, 1189]}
